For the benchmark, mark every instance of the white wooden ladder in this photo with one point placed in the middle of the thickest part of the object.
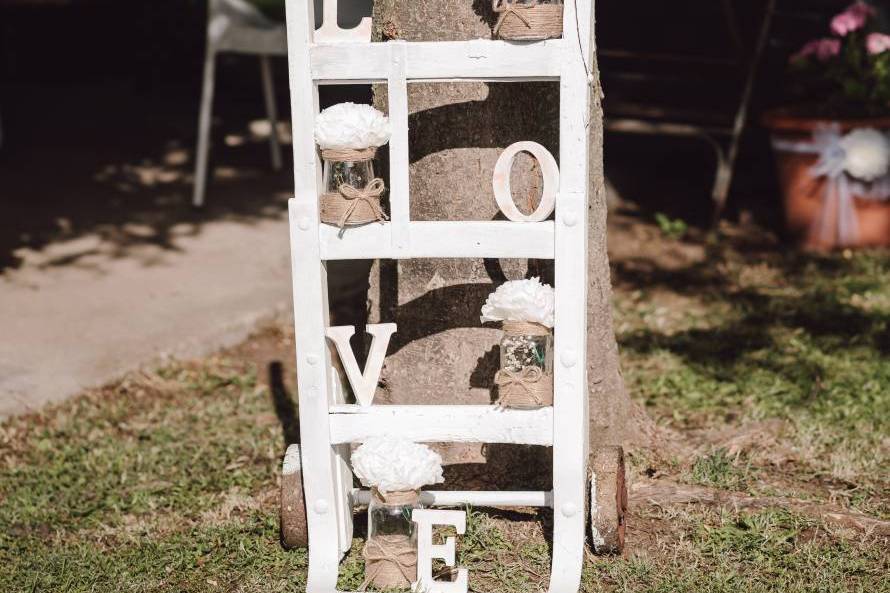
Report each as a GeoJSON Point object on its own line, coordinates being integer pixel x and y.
{"type": "Point", "coordinates": [328, 424]}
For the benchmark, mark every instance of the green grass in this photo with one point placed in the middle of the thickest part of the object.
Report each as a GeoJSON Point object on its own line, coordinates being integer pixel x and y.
{"type": "Point", "coordinates": [802, 339]}
{"type": "Point", "coordinates": [167, 481]}
{"type": "Point", "coordinates": [767, 551]}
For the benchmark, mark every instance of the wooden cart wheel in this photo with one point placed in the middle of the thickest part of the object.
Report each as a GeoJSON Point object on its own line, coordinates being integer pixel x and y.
{"type": "Point", "coordinates": [294, 530]}
{"type": "Point", "coordinates": [608, 500]}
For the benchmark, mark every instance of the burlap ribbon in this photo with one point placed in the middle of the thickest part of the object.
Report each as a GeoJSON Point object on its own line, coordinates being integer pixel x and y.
{"type": "Point", "coordinates": [532, 21]}
{"type": "Point", "coordinates": [353, 206]}
{"type": "Point", "coordinates": [391, 560]}
{"type": "Point", "coordinates": [840, 189]}
{"type": "Point", "coordinates": [527, 388]}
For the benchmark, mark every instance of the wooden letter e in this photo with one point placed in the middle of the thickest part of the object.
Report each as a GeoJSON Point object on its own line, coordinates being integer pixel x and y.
{"type": "Point", "coordinates": [364, 384]}
{"type": "Point", "coordinates": [426, 551]}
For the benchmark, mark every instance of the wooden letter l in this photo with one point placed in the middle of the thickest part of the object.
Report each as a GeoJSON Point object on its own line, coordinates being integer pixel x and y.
{"type": "Point", "coordinates": [364, 384]}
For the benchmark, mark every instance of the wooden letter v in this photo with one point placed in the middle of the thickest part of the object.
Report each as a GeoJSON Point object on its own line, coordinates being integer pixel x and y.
{"type": "Point", "coordinates": [363, 384]}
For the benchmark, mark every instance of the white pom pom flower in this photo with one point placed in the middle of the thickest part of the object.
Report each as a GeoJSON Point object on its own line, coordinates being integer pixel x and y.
{"type": "Point", "coordinates": [392, 464]}
{"type": "Point", "coordinates": [867, 154]}
{"type": "Point", "coordinates": [351, 126]}
{"type": "Point", "coordinates": [521, 300]}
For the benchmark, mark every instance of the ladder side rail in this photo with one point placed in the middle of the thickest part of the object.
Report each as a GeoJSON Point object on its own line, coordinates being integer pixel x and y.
{"type": "Point", "coordinates": [399, 165]}
{"type": "Point", "coordinates": [570, 413]}
{"type": "Point", "coordinates": [325, 505]}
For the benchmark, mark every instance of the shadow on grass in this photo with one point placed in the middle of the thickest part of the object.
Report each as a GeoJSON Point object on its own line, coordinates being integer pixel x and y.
{"type": "Point", "coordinates": [797, 330]}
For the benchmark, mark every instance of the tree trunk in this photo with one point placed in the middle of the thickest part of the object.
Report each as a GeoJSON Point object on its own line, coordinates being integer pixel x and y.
{"type": "Point", "coordinates": [441, 354]}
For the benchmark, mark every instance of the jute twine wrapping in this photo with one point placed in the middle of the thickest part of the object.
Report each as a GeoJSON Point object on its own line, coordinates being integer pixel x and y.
{"type": "Point", "coordinates": [349, 155]}
{"type": "Point", "coordinates": [527, 388]}
{"type": "Point", "coordinates": [350, 206]}
{"type": "Point", "coordinates": [524, 328]}
{"type": "Point", "coordinates": [529, 21]}
{"type": "Point", "coordinates": [391, 560]}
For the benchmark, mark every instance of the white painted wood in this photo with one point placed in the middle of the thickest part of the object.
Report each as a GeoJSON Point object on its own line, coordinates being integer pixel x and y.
{"type": "Point", "coordinates": [328, 426]}
{"type": "Point", "coordinates": [364, 383]}
{"type": "Point", "coordinates": [503, 193]}
{"type": "Point", "coordinates": [478, 59]}
{"type": "Point", "coordinates": [570, 414]}
{"type": "Point", "coordinates": [427, 550]}
{"type": "Point", "coordinates": [235, 26]}
{"type": "Point", "coordinates": [205, 115]}
{"type": "Point", "coordinates": [435, 424]}
{"type": "Point", "coordinates": [328, 508]}
{"type": "Point", "coordinates": [475, 239]}
{"type": "Point", "coordinates": [455, 498]}
{"type": "Point", "coordinates": [397, 93]}
{"type": "Point", "coordinates": [271, 110]}
{"type": "Point", "coordinates": [330, 31]}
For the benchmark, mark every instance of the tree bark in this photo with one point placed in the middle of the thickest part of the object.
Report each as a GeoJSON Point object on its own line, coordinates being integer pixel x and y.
{"type": "Point", "coordinates": [441, 354]}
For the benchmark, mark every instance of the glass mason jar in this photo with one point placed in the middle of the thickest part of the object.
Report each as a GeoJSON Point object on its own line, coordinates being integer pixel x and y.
{"type": "Point", "coordinates": [352, 194]}
{"type": "Point", "coordinates": [525, 380]}
{"type": "Point", "coordinates": [519, 351]}
{"type": "Point", "coordinates": [391, 549]}
{"type": "Point", "coordinates": [358, 174]}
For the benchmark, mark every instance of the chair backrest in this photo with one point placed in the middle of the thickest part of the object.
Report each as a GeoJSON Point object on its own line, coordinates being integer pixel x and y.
{"type": "Point", "coordinates": [240, 12]}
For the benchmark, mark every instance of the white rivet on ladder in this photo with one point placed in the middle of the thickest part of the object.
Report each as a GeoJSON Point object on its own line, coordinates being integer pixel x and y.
{"type": "Point", "coordinates": [312, 359]}
{"type": "Point", "coordinates": [321, 506]}
{"type": "Point", "coordinates": [569, 509]}
{"type": "Point", "coordinates": [304, 223]}
{"type": "Point", "coordinates": [569, 358]}
{"type": "Point", "coordinates": [569, 218]}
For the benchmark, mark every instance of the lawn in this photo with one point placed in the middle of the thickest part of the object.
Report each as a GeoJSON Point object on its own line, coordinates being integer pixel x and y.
{"type": "Point", "coordinates": [766, 374]}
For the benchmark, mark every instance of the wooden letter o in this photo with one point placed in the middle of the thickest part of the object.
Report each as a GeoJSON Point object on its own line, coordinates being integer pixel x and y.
{"type": "Point", "coordinates": [501, 182]}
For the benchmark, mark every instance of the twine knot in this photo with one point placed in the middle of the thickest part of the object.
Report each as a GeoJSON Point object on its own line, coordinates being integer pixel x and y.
{"type": "Point", "coordinates": [507, 9]}
{"type": "Point", "coordinates": [533, 20]}
{"type": "Point", "coordinates": [526, 387]}
{"type": "Point", "coordinates": [370, 196]}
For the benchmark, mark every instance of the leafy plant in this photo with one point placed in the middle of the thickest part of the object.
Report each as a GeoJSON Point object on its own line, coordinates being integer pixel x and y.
{"type": "Point", "coordinates": [673, 228]}
{"type": "Point", "coordinates": [851, 68]}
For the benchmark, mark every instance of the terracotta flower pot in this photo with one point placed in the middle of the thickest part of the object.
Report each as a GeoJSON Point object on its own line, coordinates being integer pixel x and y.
{"type": "Point", "coordinates": [804, 195]}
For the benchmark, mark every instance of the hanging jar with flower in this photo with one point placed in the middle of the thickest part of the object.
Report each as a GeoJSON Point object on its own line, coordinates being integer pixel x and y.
{"type": "Point", "coordinates": [348, 135]}
{"type": "Point", "coordinates": [528, 20]}
{"type": "Point", "coordinates": [395, 469]}
{"type": "Point", "coordinates": [525, 309]}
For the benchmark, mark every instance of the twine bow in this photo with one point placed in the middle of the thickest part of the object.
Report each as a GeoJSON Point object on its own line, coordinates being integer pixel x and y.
{"type": "Point", "coordinates": [841, 188]}
{"type": "Point", "coordinates": [507, 9]}
{"type": "Point", "coordinates": [370, 195]}
{"type": "Point", "coordinates": [528, 379]}
{"type": "Point", "coordinates": [388, 553]}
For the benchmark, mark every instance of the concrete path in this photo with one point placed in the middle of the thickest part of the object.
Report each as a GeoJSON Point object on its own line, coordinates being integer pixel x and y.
{"type": "Point", "coordinates": [67, 326]}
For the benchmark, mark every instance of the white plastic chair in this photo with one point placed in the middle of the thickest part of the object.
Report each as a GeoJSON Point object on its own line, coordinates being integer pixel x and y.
{"type": "Point", "coordinates": [238, 27]}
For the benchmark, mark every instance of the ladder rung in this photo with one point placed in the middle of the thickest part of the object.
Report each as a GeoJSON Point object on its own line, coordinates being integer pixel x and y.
{"type": "Point", "coordinates": [477, 59]}
{"type": "Point", "coordinates": [430, 239]}
{"type": "Point", "coordinates": [489, 498]}
{"type": "Point", "coordinates": [442, 424]}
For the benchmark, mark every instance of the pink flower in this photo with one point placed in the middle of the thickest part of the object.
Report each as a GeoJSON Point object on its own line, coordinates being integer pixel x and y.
{"type": "Point", "coordinates": [877, 43]}
{"type": "Point", "coordinates": [852, 19]}
{"type": "Point", "coordinates": [824, 49]}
